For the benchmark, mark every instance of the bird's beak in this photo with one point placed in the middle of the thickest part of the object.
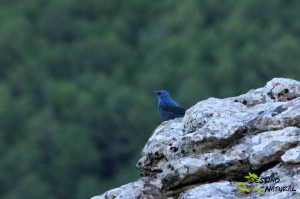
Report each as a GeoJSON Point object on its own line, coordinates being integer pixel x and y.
{"type": "Point", "coordinates": [154, 92]}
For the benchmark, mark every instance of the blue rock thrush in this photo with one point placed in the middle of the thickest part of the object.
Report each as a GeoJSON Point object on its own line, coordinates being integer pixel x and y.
{"type": "Point", "coordinates": [167, 108]}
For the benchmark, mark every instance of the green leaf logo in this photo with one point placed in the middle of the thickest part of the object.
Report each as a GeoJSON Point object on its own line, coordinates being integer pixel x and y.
{"type": "Point", "coordinates": [252, 177]}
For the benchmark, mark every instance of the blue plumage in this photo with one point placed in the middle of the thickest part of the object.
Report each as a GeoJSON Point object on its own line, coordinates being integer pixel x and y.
{"type": "Point", "coordinates": [167, 108]}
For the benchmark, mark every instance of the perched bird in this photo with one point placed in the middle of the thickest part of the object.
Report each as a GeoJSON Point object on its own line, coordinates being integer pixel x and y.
{"type": "Point", "coordinates": [167, 108]}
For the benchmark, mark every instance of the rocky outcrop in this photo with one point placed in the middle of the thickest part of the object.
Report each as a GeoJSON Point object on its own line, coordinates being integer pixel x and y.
{"type": "Point", "coordinates": [217, 144]}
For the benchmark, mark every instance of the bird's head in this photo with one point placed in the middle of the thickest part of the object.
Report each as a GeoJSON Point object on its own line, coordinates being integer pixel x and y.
{"type": "Point", "coordinates": [161, 94]}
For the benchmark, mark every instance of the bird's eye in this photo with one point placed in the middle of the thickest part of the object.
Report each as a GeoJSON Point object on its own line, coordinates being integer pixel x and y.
{"type": "Point", "coordinates": [158, 93]}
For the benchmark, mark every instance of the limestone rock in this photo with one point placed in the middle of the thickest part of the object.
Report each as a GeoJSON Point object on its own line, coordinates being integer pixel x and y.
{"type": "Point", "coordinates": [143, 188]}
{"type": "Point", "coordinates": [292, 155]}
{"type": "Point", "coordinates": [289, 175]}
{"type": "Point", "coordinates": [218, 142]}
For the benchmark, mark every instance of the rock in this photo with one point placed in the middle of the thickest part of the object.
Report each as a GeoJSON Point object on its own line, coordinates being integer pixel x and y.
{"type": "Point", "coordinates": [292, 155]}
{"type": "Point", "coordinates": [287, 174]}
{"type": "Point", "coordinates": [218, 142]}
{"type": "Point", "coordinates": [217, 190]}
{"type": "Point", "coordinates": [143, 188]}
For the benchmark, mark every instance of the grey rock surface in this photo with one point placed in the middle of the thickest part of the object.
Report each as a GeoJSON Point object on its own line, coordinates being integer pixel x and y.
{"type": "Point", "coordinates": [218, 142]}
{"type": "Point", "coordinates": [292, 155]}
{"type": "Point", "coordinates": [289, 175]}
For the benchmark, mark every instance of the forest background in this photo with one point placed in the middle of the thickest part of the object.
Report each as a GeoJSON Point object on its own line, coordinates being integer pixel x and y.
{"type": "Point", "coordinates": [75, 76]}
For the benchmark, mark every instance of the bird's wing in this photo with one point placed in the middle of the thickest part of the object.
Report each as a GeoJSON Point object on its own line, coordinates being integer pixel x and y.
{"type": "Point", "coordinates": [172, 108]}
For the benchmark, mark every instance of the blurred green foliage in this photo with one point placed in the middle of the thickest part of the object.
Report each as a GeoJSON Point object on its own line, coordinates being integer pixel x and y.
{"type": "Point", "coordinates": [75, 110]}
